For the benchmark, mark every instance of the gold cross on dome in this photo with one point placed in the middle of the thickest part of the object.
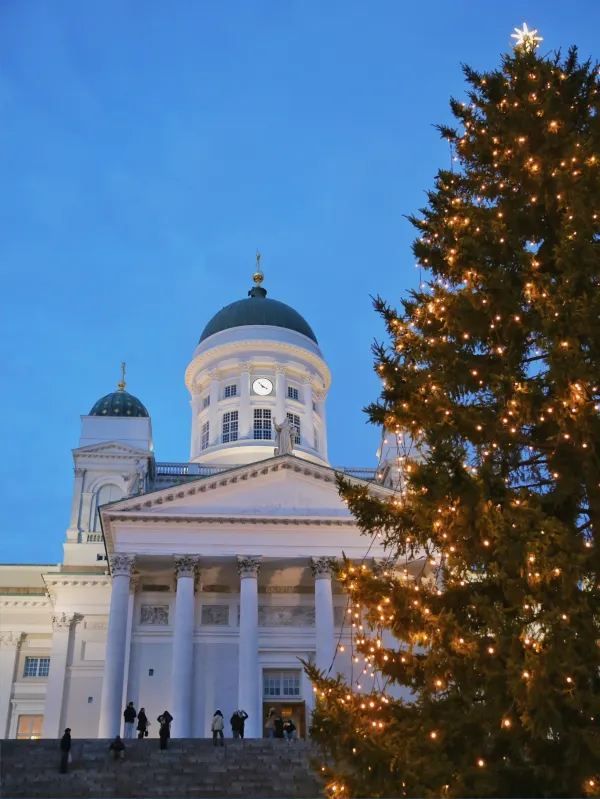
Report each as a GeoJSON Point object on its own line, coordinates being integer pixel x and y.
{"type": "Point", "coordinates": [121, 384]}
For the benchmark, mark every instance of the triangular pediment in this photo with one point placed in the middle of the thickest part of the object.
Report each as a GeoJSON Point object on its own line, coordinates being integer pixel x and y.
{"type": "Point", "coordinates": [110, 449]}
{"type": "Point", "coordinates": [278, 487]}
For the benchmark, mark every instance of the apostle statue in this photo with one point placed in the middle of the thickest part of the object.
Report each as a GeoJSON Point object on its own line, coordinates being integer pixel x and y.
{"type": "Point", "coordinates": [284, 438]}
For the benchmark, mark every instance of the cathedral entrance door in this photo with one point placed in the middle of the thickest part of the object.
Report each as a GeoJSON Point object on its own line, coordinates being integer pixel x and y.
{"type": "Point", "coordinates": [294, 710]}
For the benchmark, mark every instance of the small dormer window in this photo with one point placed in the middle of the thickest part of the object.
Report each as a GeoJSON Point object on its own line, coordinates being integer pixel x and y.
{"type": "Point", "coordinates": [231, 391]}
{"type": "Point", "coordinates": [293, 393]}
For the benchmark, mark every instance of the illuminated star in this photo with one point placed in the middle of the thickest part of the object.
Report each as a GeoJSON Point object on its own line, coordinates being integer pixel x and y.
{"type": "Point", "coordinates": [526, 39]}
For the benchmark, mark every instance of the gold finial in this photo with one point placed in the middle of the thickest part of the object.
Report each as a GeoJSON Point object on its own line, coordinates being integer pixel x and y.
{"type": "Point", "coordinates": [258, 275]}
{"type": "Point", "coordinates": [121, 384]}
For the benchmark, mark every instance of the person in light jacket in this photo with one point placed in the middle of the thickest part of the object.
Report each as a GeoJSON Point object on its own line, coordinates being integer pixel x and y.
{"type": "Point", "coordinates": [217, 727]}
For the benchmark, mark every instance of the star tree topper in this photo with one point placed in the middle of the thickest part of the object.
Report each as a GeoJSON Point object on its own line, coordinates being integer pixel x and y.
{"type": "Point", "coordinates": [525, 39]}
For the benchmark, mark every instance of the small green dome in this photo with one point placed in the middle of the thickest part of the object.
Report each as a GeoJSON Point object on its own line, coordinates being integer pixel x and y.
{"type": "Point", "coordinates": [119, 403]}
{"type": "Point", "coordinates": [257, 310]}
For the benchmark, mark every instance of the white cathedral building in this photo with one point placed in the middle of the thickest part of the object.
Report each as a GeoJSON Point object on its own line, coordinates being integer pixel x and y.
{"type": "Point", "coordinates": [199, 585]}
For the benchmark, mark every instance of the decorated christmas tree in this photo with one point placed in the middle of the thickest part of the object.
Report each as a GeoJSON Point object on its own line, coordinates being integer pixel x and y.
{"type": "Point", "coordinates": [491, 371]}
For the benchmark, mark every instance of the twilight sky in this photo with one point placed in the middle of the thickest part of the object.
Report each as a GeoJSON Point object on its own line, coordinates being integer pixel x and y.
{"type": "Point", "coordinates": [148, 148]}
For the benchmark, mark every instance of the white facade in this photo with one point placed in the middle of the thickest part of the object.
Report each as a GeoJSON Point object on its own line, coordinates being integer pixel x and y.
{"type": "Point", "coordinates": [190, 586]}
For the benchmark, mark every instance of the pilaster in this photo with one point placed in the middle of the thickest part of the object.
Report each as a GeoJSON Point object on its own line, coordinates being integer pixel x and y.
{"type": "Point", "coordinates": [10, 643]}
{"type": "Point", "coordinates": [55, 687]}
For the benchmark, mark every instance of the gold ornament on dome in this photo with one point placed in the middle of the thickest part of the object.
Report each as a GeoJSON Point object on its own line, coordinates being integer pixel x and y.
{"type": "Point", "coordinates": [258, 275]}
{"type": "Point", "coordinates": [525, 39]}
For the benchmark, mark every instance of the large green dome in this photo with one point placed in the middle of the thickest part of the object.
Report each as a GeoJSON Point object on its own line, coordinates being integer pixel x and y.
{"type": "Point", "coordinates": [258, 310]}
{"type": "Point", "coordinates": [119, 403]}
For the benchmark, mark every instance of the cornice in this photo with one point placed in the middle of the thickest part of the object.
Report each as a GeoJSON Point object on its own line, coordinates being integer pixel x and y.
{"type": "Point", "coordinates": [13, 602]}
{"type": "Point", "coordinates": [243, 349]}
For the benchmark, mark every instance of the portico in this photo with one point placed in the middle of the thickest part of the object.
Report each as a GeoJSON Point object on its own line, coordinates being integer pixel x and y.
{"type": "Point", "coordinates": [269, 622]}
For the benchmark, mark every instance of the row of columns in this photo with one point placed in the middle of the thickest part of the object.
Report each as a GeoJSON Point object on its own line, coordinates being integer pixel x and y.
{"type": "Point", "coordinates": [183, 632]}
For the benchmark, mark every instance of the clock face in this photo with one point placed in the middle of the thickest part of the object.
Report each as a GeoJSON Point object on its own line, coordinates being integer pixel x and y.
{"type": "Point", "coordinates": [262, 386]}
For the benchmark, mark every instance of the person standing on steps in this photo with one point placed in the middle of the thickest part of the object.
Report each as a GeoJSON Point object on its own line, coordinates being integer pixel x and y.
{"type": "Point", "coordinates": [278, 725]}
{"type": "Point", "coordinates": [217, 727]}
{"type": "Point", "coordinates": [237, 722]}
{"type": "Point", "coordinates": [65, 751]}
{"type": "Point", "coordinates": [270, 723]}
{"type": "Point", "coordinates": [289, 729]}
{"type": "Point", "coordinates": [130, 716]}
{"type": "Point", "coordinates": [117, 747]}
{"type": "Point", "coordinates": [143, 723]}
{"type": "Point", "coordinates": [164, 732]}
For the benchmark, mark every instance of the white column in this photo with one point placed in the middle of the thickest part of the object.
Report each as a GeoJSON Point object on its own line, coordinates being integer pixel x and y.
{"type": "Point", "coordinates": [248, 677]}
{"type": "Point", "coordinates": [320, 401]}
{"type": "Point", "coordinates": [9, 651]}
{"type": "Point", "coordinates": [308, 433]}
{"type": "Point", "coordinates": [74, 523]}
{"type": "Point", "coordinates": [182, 673]}
{"type": "Point", "coordinates": [195, 402]}
{"type": "Point", "coordinates": [116, 637]}
{"type": "Point", "coordinates": [325, 643]}
{"type": "Point", "coordinates": [126, 695]}
{"type": "Point", "coordinates": [213, 427]}
{"type": "Point", "coordinates": [280, 393]}
{"type": "Point", "coordinates": [55, 687]}
{"type": "Point", "coordinates": [245, 416]}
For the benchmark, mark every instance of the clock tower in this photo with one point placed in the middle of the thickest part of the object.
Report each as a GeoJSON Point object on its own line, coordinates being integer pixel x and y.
{"type": "Point", "coordinates": [257, 364]}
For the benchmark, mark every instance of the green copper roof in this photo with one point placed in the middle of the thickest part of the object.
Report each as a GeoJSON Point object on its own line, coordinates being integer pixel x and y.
{"type": "Point", "coordinates": [258, 310]}
{"type": "Point", "coordinates": [119, 403]}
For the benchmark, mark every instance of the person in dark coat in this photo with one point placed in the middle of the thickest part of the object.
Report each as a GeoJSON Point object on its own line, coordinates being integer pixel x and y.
{"type": "Point", "coordinates": [130, 716]}
{"type": "Point", "coordinates": [278, 727]}
{"type": "Point", "coordinates": [237, 722]}
{"type": "Point", "coordinates": [143, 723]}
{"type": "Point", "coordinates": [117, 747]}
{"type": "Point", "coordinates": [65, 750]}
{"type": "Point", "coordinates": [164, 732]}
{"type": "Point", "coordinates": [289, 729]}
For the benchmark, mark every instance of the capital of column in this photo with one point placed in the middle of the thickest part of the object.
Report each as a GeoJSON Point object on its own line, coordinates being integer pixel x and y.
{"type": "Point", "coordinates": [185, 566]}
{"type": "Point", "coordinates": [248, 565]}
{"type": "Point", "coordinates": [63, 621]}
{"type": "Point", "coordinates": [121, 565]}
{"type": "Point", "coordinates": [10, 640]}
{"type": "Point", "coordinates": [322, 567]}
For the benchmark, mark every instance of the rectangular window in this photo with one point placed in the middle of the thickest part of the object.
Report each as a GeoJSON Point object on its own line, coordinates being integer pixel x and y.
{"type": "Point", "coordinates": [36, 667]}
{"type": "Point", "coordinates": [206, 401]}
{"type": "Point", "coordinates": [205, 436]}
{"type": "Point", "coordinates": [29, 727]}
{"type": "Point", "coordinates": [294, 420]}
{"type": "Point", "coordinates": [281, 683]}
{"type": "Point", "coordinates": [230, 426]}
{"type": "Point", "coordinates": [231, 391]}
{"type": "Point", "coordinates": [262, 424]}
{"type": "Point", "coordinates": [293, 393]}
{"type": "Point", "coordinates": [316, 440]}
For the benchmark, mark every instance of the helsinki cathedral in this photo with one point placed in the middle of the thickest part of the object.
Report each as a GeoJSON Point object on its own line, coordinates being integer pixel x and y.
{"type": "Point", "coordinates": [199, 585]}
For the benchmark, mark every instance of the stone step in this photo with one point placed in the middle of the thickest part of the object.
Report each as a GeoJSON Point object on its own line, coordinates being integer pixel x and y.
{"type": "Point", "coordinates": [188, 768]}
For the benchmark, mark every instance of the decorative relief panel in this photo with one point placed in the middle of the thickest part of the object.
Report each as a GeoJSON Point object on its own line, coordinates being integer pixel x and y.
{"type": "Point", "coordinates": [154, 614]}
{"type": "Point", "coordinates": [215, 614]}
{"type": "Point", "coordinates": [285, 616]}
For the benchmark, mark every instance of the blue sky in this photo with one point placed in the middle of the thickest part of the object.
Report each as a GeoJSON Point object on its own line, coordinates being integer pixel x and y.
{"type": "Point", "coordinates": [148, 148]}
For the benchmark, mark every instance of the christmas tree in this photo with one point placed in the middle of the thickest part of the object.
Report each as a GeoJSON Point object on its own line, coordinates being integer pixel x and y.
{"type": "Point", "coordinates": [492, 372]}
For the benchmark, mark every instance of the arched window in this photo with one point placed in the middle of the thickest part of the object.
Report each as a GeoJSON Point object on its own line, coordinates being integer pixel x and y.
{"type": "Point", "coordinates": [106, 493]}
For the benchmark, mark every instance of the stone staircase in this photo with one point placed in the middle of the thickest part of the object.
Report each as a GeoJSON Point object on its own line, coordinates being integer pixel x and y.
{"type": "Point", "coordinates": [269, 769]}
